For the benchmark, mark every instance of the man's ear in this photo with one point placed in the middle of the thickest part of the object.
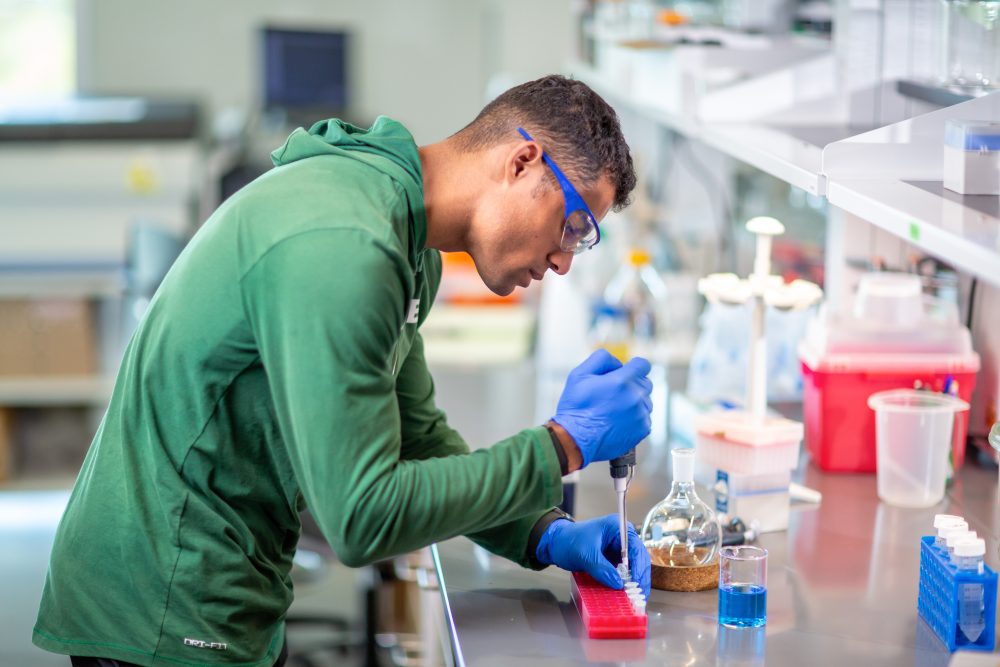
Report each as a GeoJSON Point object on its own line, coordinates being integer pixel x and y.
{"type": "Point", "coordinates": [523, 156]}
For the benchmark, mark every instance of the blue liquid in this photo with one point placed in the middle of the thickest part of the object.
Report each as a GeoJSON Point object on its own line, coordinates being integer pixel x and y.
{"type": "Point", "coordinates": [743, 605]}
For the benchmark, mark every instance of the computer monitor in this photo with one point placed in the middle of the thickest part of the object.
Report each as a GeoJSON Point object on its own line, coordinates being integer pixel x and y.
{"type": "Point", "coordinates": [305, 71]}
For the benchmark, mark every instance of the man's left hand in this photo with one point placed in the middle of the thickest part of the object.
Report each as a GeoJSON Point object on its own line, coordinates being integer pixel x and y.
{"type": "Point", "coordinates": [594, 547]}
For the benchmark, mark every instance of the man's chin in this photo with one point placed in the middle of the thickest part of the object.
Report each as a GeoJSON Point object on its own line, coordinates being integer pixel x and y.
{"type": "Point", "coordinates": [501, 290]}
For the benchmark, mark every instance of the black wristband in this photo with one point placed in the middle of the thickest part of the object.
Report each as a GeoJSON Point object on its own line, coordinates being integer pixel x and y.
{"type": "Point", "coordinates": [535, 536]}
{"type": "Point", "coordinates": [560, 452]}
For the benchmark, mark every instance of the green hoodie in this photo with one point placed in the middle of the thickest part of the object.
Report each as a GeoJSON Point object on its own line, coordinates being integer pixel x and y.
{"type": "Point", "coordinates": [278, 367]}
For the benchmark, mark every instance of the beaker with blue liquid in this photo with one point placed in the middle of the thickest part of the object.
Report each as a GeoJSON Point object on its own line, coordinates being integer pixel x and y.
{"type": "Point", "coordinates": [743, 586]}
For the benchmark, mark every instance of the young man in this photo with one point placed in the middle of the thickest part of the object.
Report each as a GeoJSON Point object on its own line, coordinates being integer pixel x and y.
{"type": "Point", "coordinates": [280, 366]}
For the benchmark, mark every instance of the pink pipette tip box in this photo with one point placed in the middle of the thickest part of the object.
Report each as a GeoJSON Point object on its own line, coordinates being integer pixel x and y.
{"type": "Point", "coordinates": [606, 612]}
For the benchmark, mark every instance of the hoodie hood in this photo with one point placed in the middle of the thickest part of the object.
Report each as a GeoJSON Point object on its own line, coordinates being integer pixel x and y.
{"type": "Point", "coordinates": [386, 146]}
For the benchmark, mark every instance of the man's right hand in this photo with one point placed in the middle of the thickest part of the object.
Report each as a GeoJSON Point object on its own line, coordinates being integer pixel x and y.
{"type": "Point", "coordinates": [605, 406]}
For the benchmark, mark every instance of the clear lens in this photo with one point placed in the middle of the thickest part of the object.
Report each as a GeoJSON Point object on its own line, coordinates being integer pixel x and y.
{"type": "Point", "coordinates": [580, 232]}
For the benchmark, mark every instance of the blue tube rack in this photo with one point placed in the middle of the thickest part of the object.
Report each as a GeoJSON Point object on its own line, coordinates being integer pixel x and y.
{"type": "Point", "coordinates": [938, 599]}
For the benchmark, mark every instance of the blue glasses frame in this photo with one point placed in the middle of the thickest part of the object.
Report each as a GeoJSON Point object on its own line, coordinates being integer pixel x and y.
{"type": "Point", "coordinates": [574, 204]}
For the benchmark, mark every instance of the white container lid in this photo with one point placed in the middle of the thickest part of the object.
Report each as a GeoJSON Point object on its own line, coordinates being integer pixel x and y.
{"type": "Point", "coordinates": [972, 135]}
{"type": "Point", "coordinates": [948, 519]}
{"type": "Point", "coordinates": [889, 300]}
{"type": "Point", "coordinates": [945, 531]}
{"type": "Point", "coordinates": [934, 341]}
{"type": "Point", "coordinates": [742, 428]}
{"type": "Point", "coordinates": [970, 548]}
{"type": "Point", "coordinates": [959, 536]}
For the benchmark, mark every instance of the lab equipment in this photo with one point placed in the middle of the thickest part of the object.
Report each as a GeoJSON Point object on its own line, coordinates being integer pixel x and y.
{"type": "Point", "coordinates": [735, 532]}
{"type": "Point", "coordinates": [971, 40]}
{"type": "Point", "coordinates": [637, 293]}
{"type": "Point", "coordinates": [622, 469]}
{"type": "Point", "coordinates": [743, 586]}
{"type": "Point", "coordinates": [957, 537]}
{"type": "Point", "coordinates": [605, 406]}
{"type": "Point", "coordinates": [718, 369]}
{"type": "Point", "coordinates": [638, 290]}
{"type": "Point", "coordinates": [967, 555]}
{"type": "Point", "coordinates": [611, 331]}
{"type": "Point", "coordinates": [305, 73]}
{"type": "Point", "coordinates": [972, 156]}
{"type": "Point", "coordinates": [765, 497]}
{"type": "Point", "coordinates": [945, 523]}
{"type": "Point", "coordinates": [607, 613]}
{"type": "Point", "coordinates": [749, 442]}
{"type": "Point", "coordinates": [913, 435]}
{"type": "Point", "coordinates": [945, 532]}
{"type": "Point", "coordinates": [681, 528]}
{"type": "Point", "coordinates": [940, 595]}
{"type": "Point", "coordinates": [851, 353]}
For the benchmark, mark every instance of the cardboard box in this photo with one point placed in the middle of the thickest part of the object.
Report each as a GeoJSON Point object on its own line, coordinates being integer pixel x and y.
{"type": "Point", "coordinates": [47, 337]}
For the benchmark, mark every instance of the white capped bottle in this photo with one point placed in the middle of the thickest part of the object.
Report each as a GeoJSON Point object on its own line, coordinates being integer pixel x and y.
{"type": "Point", "coordinates": [968, 557]}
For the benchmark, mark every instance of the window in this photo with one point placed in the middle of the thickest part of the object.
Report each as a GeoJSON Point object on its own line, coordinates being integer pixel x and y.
{"type": "Point", "coordinates": [37, 48]}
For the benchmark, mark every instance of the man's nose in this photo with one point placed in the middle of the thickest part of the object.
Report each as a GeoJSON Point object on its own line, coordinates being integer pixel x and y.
{"type": "Point", "coordinates": [560, 262]}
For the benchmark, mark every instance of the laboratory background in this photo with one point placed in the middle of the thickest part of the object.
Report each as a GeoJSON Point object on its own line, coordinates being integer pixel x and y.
{"type": "Point", "coordinates": [811, 263]}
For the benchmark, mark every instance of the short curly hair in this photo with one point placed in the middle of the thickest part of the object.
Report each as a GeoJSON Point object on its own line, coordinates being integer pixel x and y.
{"type": "Point", "coordinates": [572, 123]}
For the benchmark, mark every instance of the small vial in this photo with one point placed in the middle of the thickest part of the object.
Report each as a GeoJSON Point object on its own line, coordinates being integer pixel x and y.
{"type": "Point", "coordinates": [968, 557]}
{"type": "Point", "coordinates": [958, 536]}
{"type": "Point", "coordinates": [945, 530]}
{"type": "Point", "coordinates": [623, 572]}
{"type": "Point", "coordinates": [631, 586]}
{"type": "Point", "coordinates": [946, 519]}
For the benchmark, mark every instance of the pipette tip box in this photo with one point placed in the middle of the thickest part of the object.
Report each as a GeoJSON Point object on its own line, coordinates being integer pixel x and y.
{"type": "Point", "coordinates": [606, 612]}
{"type": "Point", "coordinates": [938, 600]}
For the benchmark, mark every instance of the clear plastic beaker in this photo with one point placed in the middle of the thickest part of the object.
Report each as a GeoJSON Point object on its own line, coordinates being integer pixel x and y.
{"type": "Point", "coordinates": [743, 586]}
{"type": "Point", "coordinates": [913, 436]}
{"type": "Point", "coordinates": [971, 44]}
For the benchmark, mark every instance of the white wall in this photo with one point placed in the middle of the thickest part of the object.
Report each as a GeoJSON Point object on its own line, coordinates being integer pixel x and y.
{"type": "Point", "coordinates": [424, 62]}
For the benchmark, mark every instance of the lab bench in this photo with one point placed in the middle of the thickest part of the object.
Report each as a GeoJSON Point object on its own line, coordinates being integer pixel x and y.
{"type": "Point", "coordinates": [842, 585]}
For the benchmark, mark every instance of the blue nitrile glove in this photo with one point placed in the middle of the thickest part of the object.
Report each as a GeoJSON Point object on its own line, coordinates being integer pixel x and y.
{"type": "Point", "coordinates": [594, 547]}
{"type": "Point", "coordinates": [605, 406]}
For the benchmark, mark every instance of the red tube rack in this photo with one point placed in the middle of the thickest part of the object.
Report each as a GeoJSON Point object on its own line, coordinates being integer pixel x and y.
{"type": "Point", "coordinates": [606, 612]}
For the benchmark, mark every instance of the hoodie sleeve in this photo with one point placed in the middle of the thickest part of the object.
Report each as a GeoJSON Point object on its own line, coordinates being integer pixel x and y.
{"type": "Point", "coordinates": [326, 308]}
{"type": "Point", "coordinates": [426, 434]}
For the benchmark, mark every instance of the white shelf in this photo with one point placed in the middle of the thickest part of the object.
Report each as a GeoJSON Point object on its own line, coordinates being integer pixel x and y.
{"type": "Point", "coordinates": [890, 176]}
{"type": "Point", "coordinates": [787, 153]}
{"type": "Point", "coordinates": [615, 92]}
{"type": "Point", "coordinates": [55, 390]}
{"type": "Point", "coordinates": [963, 230]}
{"type": "Point", "coordinates": [773, 151]}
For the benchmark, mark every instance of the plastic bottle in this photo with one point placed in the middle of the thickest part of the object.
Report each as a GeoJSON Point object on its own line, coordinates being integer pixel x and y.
{"type": "Point", "coordinates": [638, 290]}
{"type": "Point", "coordinates": [956, 537]}
{"type": "Point", "coordinates": [947, 529]}
{"type": "Point", "coordinates": [612, 331]}
{"type": "Point", "coordinates": [968, 557]}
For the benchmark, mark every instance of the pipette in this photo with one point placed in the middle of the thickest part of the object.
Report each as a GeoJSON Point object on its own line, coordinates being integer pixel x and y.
{"type": "Point", "coordinates": [621, 473]}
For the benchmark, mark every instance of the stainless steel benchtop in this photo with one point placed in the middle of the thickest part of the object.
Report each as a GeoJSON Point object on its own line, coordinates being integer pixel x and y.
{"type": "Point", "coordinates": [842, 586]}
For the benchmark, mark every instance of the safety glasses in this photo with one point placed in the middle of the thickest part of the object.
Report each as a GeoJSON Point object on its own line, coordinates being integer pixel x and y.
{"type": "Point", "coordinates": [580, 230]}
